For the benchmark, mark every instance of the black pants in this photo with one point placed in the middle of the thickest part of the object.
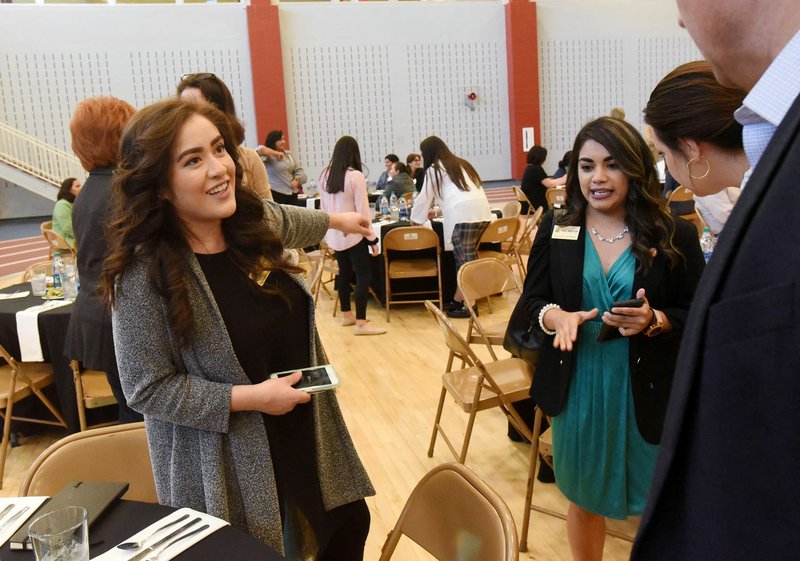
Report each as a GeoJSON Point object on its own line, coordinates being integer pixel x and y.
{"type": "Point", "coordinates": [126, 414]}
{"type": "Point", "coordinates": [347, 544]}
{"type": "Point", "coordinates": [280, 198]}
{"type": "Point", "coordinates": [355, 259]}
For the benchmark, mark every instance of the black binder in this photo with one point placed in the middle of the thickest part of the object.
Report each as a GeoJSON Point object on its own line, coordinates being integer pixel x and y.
{"type": "Point", "coordinates": [94, 496]}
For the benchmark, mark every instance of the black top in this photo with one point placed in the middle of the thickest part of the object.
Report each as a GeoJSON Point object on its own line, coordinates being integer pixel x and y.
{"type": "Point", "coordinates": [90, 339]}
{"type": "Point", "coordinates": [533, 188]}
{"type": "Point", "coordinates": [269, 332]}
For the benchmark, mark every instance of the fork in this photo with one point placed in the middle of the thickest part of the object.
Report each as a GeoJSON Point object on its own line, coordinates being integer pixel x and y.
{"type": "Point", "coordinates": [156, 555]}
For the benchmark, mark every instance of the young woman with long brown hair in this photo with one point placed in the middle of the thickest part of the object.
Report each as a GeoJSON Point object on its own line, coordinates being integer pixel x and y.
{"type": "Point", "coordinates": [205, 307]}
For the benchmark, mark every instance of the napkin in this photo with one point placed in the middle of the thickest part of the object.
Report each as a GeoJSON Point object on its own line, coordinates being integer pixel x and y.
{"type": "Point", "coordinates": [214, 524]}
{"type": "Point", "coordinates": [8, 530]}
{"type": "Point", "coordinates": [14, 295]}
{"type": "Point", "coordinates": [30, 347]}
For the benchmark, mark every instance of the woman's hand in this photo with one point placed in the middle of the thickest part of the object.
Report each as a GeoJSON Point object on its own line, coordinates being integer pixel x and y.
{"type": "Point", "coordinates": [374, 249]}
{"type": "Point", "coordinates": [351, 223]}
{"type": "Point", "coordinates": [566, 324]}
{"type": "Point", "coordinates": [630, 321]}
{"type": "Point", "coordinates": [273, 397]}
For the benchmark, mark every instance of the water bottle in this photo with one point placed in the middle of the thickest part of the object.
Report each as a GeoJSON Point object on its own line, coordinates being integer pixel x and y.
{"type": "Point", "coordinates": [394, 208]}
{"type": "Point", "coordinates": [403, 212]}
{"type": "Point", "coordinates": [707, 243]}
{"type": "Point", "coordinates": [311, 189]}
{"type": "Point", "coordinates": [58, 273]}
{"type": "Point", "coordinates": [384, 207]}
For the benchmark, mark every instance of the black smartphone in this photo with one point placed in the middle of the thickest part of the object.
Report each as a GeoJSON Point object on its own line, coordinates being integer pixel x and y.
{"type": "Point", "coordinates": [609, 332]}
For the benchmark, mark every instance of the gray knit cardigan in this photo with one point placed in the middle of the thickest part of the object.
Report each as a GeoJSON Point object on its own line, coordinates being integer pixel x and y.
{"type": "Point", "coordinates": [204, 456]}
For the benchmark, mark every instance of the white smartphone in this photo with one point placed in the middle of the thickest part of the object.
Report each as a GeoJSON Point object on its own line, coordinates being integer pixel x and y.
{"type": "Point", "coordinates": [315, 378]}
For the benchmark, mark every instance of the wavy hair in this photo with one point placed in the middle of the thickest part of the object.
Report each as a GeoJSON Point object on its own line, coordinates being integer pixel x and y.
{"type": "Point", "coordinates": [96, 127]}
{"type": "Point", "coordinates": [145, 227]}
{"type": "Point", "coordinates": [437, 155]}
{"type": "Point", "coordinates": [651, 225]}
{"type": "Point", "coordinates": [689, 103]}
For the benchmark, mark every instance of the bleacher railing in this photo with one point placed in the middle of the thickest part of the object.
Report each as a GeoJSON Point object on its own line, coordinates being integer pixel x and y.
{"type": "Point", "coordinates": [33, 156]}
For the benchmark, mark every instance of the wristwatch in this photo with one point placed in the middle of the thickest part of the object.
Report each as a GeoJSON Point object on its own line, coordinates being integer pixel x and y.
{"type": "Point", "coordinates": [655, 326]}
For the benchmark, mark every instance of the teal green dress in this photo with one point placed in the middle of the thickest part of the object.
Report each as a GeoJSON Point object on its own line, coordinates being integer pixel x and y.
{"type": "Point", "coordinates": [601, 462]}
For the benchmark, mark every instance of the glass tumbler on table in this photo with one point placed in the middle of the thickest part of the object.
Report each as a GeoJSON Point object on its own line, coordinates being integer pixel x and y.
{"type": "Point", "coordinates": [61, 535]}
{"type": "Point", "coordinates": [38, 279]}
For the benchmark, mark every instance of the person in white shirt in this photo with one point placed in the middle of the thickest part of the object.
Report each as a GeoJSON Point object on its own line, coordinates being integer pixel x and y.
{"type": "Point", "coordinates": [454, 185]}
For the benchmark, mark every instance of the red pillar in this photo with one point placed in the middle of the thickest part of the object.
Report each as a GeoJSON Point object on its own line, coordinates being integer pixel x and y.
{"type": "Point", "coordinates": [523, 77]}
{"type": "Point", "coordinates": [266, 61]}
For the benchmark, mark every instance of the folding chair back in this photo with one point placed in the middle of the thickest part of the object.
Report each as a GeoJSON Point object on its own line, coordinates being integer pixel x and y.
{"type": "Point", "coordinates": [92, 391]}
{"type": "Point", "coordinates": [117, 453]}
{"type": "Point", "coordinates": [512, 208]}
{"type": "Point", "coordinates": [404, 239]}
{"type": "Point", "coordinates": [556, 196]}
{"type": "Point", "coordinates": [523, 198]}
{"type": "Point", "coordinates": [456, 516]}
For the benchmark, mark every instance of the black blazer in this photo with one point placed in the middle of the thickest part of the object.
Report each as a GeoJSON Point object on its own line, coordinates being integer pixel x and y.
{"type": "Point", "coordinates": [555, 275]}
{"type": "Point", "coordinates": [90, 338]}
{"type": "Point", "coordinates": [727, 481]}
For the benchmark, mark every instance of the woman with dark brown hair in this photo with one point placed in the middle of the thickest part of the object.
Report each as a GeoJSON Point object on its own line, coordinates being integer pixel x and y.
{"type": "Point", "coordinates": [96, 128]}
{"type": "Point", "coordinates": [205, 86]}
{"type": "Point", "coordinates": [62, 212]}
{"type": "Point", "coordinates": [607, 399]}
{"type": "Point", "coordinates": [454, 185]}
{"type": "Point", "coordinates": [205, 307]}
{"type": "Point", "coordinates": [414, 163]}
{"type": "Point", "coordinates": [535, 181]}
{"type": "Point", "coordinates": [693, 126]}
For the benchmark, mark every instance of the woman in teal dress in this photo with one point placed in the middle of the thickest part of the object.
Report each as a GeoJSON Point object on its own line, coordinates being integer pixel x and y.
{"type": "Point", "coordinates": [607, 399]}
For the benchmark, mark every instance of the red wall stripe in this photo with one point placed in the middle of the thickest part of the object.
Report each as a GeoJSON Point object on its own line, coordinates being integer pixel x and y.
{"type": "Point", "coordinates": [523, 77]}
{"type": "Point", "coordinates": [266, 61]}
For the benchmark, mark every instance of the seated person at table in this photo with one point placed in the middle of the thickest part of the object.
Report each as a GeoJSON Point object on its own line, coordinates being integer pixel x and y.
{"type": "Point", "coordinates": [401, 182]}
{"type": "Point", "coordinates": [205, 305]}
{"type": "Point", "coordinates": [453, 184]}
{"type": "Point", "coordinates": [62, 212]}
{"type": "Point", "coordinates": [414, 163]}
{"type": "Point", "coordinates": [535, 182]}
{"type": "Point", "coordinates": [384, 177]}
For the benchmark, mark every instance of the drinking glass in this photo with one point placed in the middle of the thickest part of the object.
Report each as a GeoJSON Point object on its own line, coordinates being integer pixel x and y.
{"type": "Point", "coordinates": [38, 280]}
{"type": "Point", "coordinates": [61, 535]}
{"type": "Point", "coordinates": [69, 281]}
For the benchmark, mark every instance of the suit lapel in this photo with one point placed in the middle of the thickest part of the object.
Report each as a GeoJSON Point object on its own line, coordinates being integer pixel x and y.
{"type": "Point", "coordinates": [568, 256]}
{"type": "Point", "coordinates": [693, 338]}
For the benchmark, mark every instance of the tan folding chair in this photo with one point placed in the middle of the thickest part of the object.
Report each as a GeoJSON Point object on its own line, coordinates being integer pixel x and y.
{"type": "Point", "coordinates": [92, 390]}
{"type": "Point", "coordinates": [18, 381]}
{"type": "Point", "coordinates": [411, 238]}
{"type": "Point", "coordinates": [525, 239]}
{"type": "Point", "coordinates": [55, 241]}
{"type": "Point", "coordinates": [480, 279]}
{"type": "Point", "coordinates": [523, 198]}
{"type": "Point", "coordinates": [683, 195]}
{"type": "Point", "coordinates": [47, 266]}
{"type": "Point", "coordinates": [456, 516]}
{"type": "Point", "coordinates": [479, 386]}
{"type": "Point", "coordinates": [117, 453]}
{"type": "Point", "coordinates": [511, 208]}
{"type": "Point", "coordinates": [557, 196]}
{"type": "Point", "coordinates": [502, 231]}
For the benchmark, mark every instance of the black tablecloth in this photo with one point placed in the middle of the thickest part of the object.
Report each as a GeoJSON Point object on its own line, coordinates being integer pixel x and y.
{"type": "Point", "coordinates": [128, 517]}
{"type": "Point", "coordinates": [53, 325]}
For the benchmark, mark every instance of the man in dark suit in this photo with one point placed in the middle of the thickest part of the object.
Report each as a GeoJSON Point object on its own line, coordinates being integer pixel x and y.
{"type": "Point", "coordinates": [727, 482]}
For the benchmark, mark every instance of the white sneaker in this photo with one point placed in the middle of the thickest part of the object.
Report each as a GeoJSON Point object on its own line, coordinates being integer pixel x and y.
{"type": "Point", "coordinates": [368, 330]}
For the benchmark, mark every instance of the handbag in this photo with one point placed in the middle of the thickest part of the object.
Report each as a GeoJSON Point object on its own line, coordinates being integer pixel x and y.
{"type": "Point", "coordinates": [522, 339]}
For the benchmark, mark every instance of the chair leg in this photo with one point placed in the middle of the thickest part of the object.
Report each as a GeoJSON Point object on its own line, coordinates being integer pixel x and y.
{"type": "Point", "coordinates": [7, 428]}
{"type": "Point", "coordinates": [526, 515]}
{"type": "Point", "coordinates": [388, 295]}
{"type": "Point", "coordinates": [470, 424]}
{"type": "Point", "coordinates": [76, 377]}
{"type": "Point", "coordinates": [436, 421]}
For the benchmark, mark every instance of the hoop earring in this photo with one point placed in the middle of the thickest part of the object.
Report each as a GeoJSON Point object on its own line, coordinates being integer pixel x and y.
{"type": "Point", "coordinates": [689, 168]}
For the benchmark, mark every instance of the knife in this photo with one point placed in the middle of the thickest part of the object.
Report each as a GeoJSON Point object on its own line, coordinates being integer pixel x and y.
{"type": "Point", "coordinates": [17, 515]}
{"type": "Point", "coordinates": [5, 510]}
{"type": "Point", "coordinates": [150, 549]}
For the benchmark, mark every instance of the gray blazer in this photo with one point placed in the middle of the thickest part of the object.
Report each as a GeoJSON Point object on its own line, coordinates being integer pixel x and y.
{"type": "Point", "coordinates": [204, 456]}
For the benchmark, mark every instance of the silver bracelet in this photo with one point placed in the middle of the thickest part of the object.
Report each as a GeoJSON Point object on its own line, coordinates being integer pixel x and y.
{"type": "Point", "coordinates": [546, 308]}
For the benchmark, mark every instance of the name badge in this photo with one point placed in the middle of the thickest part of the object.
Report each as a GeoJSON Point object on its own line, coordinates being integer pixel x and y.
{"type": "Point", "coordinates": [566, 232]}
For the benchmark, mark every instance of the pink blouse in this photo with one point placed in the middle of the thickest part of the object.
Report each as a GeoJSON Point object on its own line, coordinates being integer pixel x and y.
{"type": "Point", "coordinates": [353, 198]}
